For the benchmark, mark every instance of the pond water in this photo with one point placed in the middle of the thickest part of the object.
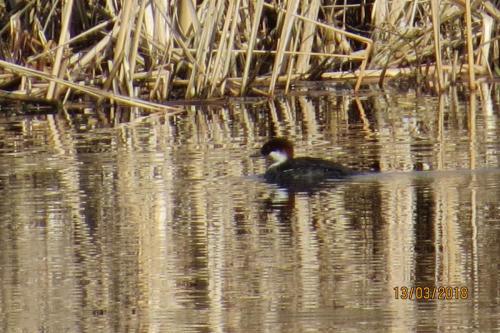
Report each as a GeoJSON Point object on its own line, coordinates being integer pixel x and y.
{"type": "Point", "coordinates": [117, 221]}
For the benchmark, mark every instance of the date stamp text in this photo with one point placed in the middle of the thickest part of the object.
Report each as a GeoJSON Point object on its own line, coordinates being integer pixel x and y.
{"type": "Point", "coordinates": [431, 293]}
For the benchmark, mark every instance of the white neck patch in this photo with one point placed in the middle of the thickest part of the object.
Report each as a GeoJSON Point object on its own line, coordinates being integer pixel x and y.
{"type": "Point", "coordinates": [278, 157]}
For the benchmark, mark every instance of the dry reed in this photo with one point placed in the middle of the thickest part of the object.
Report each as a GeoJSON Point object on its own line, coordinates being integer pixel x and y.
{"type": "Point", "coordinates": [131, 51]}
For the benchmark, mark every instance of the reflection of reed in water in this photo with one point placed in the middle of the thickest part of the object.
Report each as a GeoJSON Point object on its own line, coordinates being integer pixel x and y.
{"type": "Point", "coordinates": [154, 222]}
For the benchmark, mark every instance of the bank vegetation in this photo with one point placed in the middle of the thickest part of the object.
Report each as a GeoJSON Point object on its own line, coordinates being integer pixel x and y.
{"type": "Point", "coordinates": [146, 52]}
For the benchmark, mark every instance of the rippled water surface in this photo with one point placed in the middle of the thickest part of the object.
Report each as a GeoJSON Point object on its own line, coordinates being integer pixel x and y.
{"type": "Point", "coordinates": [116, 221]}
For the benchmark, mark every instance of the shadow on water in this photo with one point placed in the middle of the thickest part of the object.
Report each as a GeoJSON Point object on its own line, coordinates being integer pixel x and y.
{"type": "Point", "coordinates": [124, 222]}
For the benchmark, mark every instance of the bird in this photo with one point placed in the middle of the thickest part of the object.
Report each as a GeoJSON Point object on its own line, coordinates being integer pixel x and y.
{"type": "Point", "coordinates": [288, 170]}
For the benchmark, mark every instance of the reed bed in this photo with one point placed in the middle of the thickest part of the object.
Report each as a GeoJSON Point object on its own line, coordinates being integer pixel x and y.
{"type": "Point", "coordinates": [142, 53]}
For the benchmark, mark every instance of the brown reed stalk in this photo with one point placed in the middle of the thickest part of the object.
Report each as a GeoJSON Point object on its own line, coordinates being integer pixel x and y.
{"type": "Point", "coordinates": [307, 37]}
{"type": "Point", "coordinates": [230, 49]}
{"type": "Point", "coordinates": [470, 49]}
{"type": "Point", "coordinates": [291, 65]}
{"type": "Point", "coordinates": [134, 49]}
{"type": "Point", "coordinates": [66, 16]}
{"type": "Point", "coordinates": [217, 70]}
{"type": "Point", "coordinates": [121, 43]}
{"type": "Point", "coordinates": [437, 42]}
{"type": "Point", "coordinates": [283, 41]}
{"type": "Point", "coordinates": [251, 44]}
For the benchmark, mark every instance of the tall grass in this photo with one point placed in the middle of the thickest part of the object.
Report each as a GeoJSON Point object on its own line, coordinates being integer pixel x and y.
{"type": "Point", "coordinates": [130, 51]}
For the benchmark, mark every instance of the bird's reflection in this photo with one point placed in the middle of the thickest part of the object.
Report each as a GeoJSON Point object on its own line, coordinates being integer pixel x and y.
{"type": "Point", "coordinates": [283, 197]}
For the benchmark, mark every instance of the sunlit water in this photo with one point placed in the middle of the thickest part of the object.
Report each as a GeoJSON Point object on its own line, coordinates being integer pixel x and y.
{"type": "Point", "coordinates": [162, 224]}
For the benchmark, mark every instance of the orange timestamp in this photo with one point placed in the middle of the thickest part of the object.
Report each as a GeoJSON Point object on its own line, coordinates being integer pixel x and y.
{"type": "Point", "coordinates": [431, 293]}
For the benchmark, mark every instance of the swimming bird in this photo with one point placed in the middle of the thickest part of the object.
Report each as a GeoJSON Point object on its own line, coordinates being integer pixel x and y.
{"type": "Point", "coordinates": [288, 170]}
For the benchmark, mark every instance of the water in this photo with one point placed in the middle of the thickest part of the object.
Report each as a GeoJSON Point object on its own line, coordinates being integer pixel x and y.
{"type": "Point", "coordinates": [161, 223]}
